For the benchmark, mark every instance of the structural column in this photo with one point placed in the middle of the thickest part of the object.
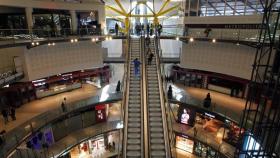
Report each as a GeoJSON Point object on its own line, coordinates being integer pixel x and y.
{"type": "Point", "coordinates": [29, 18]}
{"type": "Point", "coordinates": [74, 21]}
{"type": "Point", "coordinates": [106, 140]}
{"type": "Point", "coordinates": [101, 17]}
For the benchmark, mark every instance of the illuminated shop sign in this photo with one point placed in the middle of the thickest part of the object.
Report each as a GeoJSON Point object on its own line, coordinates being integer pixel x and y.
{"type": "Point", "coordinates": [183, 143]}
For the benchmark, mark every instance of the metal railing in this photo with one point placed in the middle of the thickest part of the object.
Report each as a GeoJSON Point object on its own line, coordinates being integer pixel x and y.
{"type": "Point", "coordinates": [16, 136]}
{"type": "Point", "coordinates": [62, 147]}
{"type": "Point", "coordinates": [125, 84]}
{"type": "Point", "coordinates": [19, 36]}
{"type": "Point", "coordinates": [247, 35]}
{"type": "Point", "coordinates": [164, 99]}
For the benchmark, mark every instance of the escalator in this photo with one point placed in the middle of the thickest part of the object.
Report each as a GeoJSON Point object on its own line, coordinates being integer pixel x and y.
{"type": "Point", "coordinates": [134, 114]}
{"type": "Point", "coordinates": [145, 127]}
{"type": "Point", "coordinates": [157, 131]}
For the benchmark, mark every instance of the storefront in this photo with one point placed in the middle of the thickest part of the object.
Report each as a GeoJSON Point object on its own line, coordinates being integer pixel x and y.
{"type": "Point", "coordinates": [187, 144]}
{"type": "Point", "coordinates": [221, 128]}
{"type": "Point", "coordinates": [231, 85]}
{"type": "Point", "coordinates": [204, 151]}
{"type": "Point", "coordinates": [183, 142]}
{"type": "Point", "coordinates": [104, 145]}
{"type": "Point", "coordinates": [69, 81]}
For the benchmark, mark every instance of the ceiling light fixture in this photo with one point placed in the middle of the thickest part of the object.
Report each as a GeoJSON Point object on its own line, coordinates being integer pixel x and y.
{"type": "Point", "coordinates": [191, 39]}
{"type": "Point", "coordinates": [214, 40]}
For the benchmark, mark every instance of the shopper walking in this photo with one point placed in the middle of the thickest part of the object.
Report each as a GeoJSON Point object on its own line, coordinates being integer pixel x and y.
{"type": "Point", "coordinates": [5, 116]}
{"type": "Point", "coordinates": [13, 113]}
{"type": "Point", "coordinates": [150, 58]}
{"type": "Point", "coordinates": [117, 29]}
{"type": "Point", "coordinates": [63, 105]}
{"type": "Point", "coordinates": [136, 63]}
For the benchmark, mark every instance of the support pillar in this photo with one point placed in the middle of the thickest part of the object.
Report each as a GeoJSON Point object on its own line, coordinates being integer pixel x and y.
{"type": "Point", "coordinates": [74, 21]}
{"type": "Point", "coordinates": [101, 18]}
{"type": "Point", "coordinates": [29, 19]}
{"type": "Point", "coordinates": [106, 140]}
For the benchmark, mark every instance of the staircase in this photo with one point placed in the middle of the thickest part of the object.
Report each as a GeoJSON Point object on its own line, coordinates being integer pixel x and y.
{"type": "Point", "coordinates": [134, 136]}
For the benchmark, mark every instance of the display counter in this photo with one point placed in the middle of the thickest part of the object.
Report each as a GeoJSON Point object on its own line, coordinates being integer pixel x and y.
{"type": "Point", "coordinates": [57, 89]}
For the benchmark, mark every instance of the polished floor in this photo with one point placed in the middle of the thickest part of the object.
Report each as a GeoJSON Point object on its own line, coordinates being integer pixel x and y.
{"type": "Point", "coordinates": [34, 108]}
{"type": "Point", "coordinates": [30, 110]}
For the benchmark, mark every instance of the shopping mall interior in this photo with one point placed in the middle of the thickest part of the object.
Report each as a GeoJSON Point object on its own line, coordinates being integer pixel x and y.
{"type": "Point", "coordinates": [139, 78]}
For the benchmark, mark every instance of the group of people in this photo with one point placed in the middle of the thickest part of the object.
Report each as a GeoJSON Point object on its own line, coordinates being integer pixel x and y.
{"type": "Point", "coordinates": [141, 29]}
{"type": "Point", "coordinates": [8, 111]}
{"type": "Point", "coordinates": [149, 51]}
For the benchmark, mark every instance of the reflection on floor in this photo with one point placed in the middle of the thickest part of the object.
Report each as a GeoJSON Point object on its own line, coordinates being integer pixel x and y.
{"type": "Point", "coordinates": [222, 100]}
{"type": "Point", "coordinates": [29, 110]}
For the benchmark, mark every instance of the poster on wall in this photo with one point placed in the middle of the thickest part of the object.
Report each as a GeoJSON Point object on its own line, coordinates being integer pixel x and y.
{"type": "Point", "coordinates": [186, 115]}
{"type": "Point", "coordinates": [184, 143]}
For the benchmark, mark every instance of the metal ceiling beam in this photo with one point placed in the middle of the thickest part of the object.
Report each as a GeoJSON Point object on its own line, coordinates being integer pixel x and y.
{"type": "Point", "coordinates": [211, 5]}
{"type": "Point", "coordinates": [249, 4]}
{"type": "Point", "coordinates": [230, 6]}
{"type": "Point", "coordinates": [120, 6]}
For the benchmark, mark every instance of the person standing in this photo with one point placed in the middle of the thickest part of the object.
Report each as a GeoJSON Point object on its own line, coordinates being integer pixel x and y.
{"type": "Point", "coordinates": [13, 113]}
{"type": "Point", "coordinates": [5, 116]}
{"type": "Point", "coordinates": [142, 30]}
{"type": "Point", "coordinates": [136, 66]}
{"type": "Point", "coordinates": [117, 29]}
{"type": "Point", "coordinates": [170, 92]}
{"type": "Point", "coordinates": [151, 30]}
{"type": "Point", "coordinates": [63, 105]}
{"type": "Point", "coordinates": [148, 41]}
{"type": "Point", "coordinates": [150, 58]}
{"type": "Point", "coordinates": [148, 29]}
{"type": "Point", "coordinates": [118, 88]}
{"type": "Point", "coordinates": [159, 29]}
{"type": "Point", "coordinates": [207, 101]}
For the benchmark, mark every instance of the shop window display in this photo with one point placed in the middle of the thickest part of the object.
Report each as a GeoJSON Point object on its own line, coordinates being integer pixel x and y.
{"type": "Point", "coordinates": [204, 151]}
{"type": "Point", "coordinates": [96, 147]}
{"type": "Point", "coordinates": [184, 143]}
{"type": "Point", "coordinates": [232, 133]}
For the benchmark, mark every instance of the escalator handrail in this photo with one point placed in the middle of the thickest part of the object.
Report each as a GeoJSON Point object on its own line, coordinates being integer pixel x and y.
{"type": "Point", "coordinates": [166, 136]}
{"type": "Point", "coordinates": [164, 97]}
{"type": "Point", "coordinates": [126, 81]}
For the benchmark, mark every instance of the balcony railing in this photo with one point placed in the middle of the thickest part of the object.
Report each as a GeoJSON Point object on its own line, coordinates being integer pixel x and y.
{"type": "Point", "coordinates": [16, 136]}
{"type": "Point", "coordinates": [18, 36]}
